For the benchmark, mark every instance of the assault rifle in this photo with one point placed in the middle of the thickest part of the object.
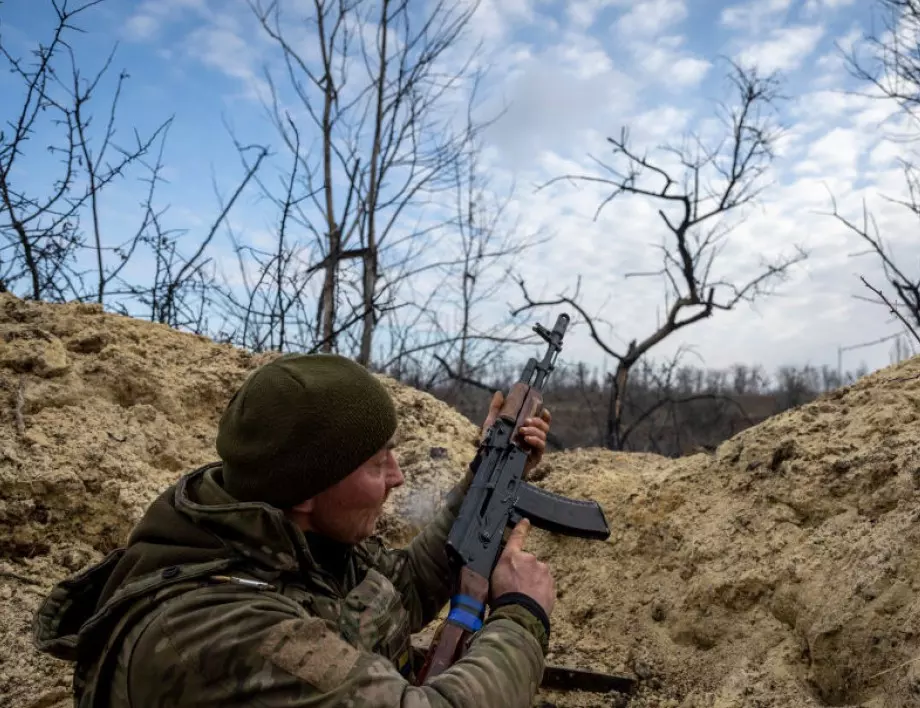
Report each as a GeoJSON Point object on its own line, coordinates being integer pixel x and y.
{"type": "Point", "coordinates": [499, 497]}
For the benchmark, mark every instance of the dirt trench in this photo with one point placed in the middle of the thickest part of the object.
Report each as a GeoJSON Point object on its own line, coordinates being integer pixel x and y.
{"type": "Point", "coordinates": [782, 570]}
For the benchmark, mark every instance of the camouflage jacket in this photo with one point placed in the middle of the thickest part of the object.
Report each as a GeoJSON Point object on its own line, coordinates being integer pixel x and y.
{"type": "Point", "coordinates": [219, 603]}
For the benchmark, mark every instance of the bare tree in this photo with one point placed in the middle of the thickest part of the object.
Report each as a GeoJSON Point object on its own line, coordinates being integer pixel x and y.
{"type": "Point", "coordinates": [892, 65]}
{"type": "Point", "coordinates": [42, 235]}
{"type": "Point", "coordinates": [663, 413]}
{"type": "Point", "coordinates": [451, 331]}
{"type": "Point", "coordinates": [469, 336]}
{"type": "Point", "coordinates": [742, 379]}
{"type": "Point", "coordinates": [183, 283]}
{"type": "Point", "coordinates": [794, 386]}
{"type": "Point", "coordinates": [272, 311]}
{"type": "Point", "coordinates": [712, 183]}
{"type": "Point", "coordinates": [903, 296]}
{"type": "Point", "coordinates": [374, 90]}
{"type": "Point", "coordinates": [891, 69]}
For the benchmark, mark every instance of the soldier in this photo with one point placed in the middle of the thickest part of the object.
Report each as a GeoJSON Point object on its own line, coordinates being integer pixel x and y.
{"type": "Point", "coordinates": [257, 580]}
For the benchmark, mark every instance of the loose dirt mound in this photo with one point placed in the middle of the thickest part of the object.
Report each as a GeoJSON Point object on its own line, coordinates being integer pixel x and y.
{"type": "Point", "coordinates": [782, 571]}
{"type": "Point", "coordinates": [101, 413]}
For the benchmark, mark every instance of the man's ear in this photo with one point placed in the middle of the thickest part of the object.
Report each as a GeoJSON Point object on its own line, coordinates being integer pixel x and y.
{"type": "Point", "coordinates": [305, 507]}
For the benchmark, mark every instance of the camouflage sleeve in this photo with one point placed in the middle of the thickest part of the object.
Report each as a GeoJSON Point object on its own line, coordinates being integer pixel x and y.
{"type": "Point", "coordinates": [238, 648]}
{"type": "Point", "coordinates": [424, 577]}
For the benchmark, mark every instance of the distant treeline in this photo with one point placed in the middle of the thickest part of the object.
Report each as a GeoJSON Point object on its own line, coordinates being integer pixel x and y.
{"type": "Point", "coordinates": [670, 410]}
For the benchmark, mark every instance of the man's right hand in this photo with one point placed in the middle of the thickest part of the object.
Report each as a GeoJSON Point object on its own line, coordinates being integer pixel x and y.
{"type": "Point", "coordinates": [519, 571]}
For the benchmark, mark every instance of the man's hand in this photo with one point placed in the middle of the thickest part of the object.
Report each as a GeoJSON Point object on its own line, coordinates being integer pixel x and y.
{"type": "Point", "coordinates": [519, 571]}
{"type": "Point", "coordinates": [533, 432]}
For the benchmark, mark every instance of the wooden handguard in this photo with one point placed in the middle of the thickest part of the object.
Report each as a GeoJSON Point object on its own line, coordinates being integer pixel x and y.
{"type": "Point", "coordinates": [450, 640]}
{"type": "Point", "coordinates": [522, 402]}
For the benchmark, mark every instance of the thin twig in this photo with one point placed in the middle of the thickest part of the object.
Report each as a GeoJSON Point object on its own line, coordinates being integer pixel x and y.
{"type": "Point", "coordinates": [12, 575]}
{"type": "Point", "coordinates": [894, 668]}
{"type": "Point", "coordinates": [892, 308]}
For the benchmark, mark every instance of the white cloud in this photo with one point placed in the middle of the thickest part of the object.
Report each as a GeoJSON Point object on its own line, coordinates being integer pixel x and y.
{"type": "Point", "coordinates": [558, 95]}
{"type": "Point", "coordinates": [753, 15]}
{"type": "Point", "coordinates": [815, 7]}
{"type": "Point", "coordinates": [662, 124]}
{"type": "Point", "coordinates": [152, 15]}
{"type": "Point", "coordinates": [785, 50]}
{"type": "Point", "coordinates": [141, 27]}
{"type": "Point", "coordinates": [226, 50]}
{"type": "Point", "coordinates": [885, 154]}
{"type": "Point", "coordinates": [651, 17]}
{"type": "Point", "coordinates": [583, 13]}
{"type": "Point", "coordinates": [663, 63]}
{"type": "Point", "coordinates": [689, 71]}
{"type": "Point", "coordinates": [494, 19]}
{"type": "Point", "coordinates": [836, 152]}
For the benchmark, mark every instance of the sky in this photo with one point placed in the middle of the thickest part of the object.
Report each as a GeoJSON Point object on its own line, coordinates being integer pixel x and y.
{"type": "Point", "coordinates": [568, 74]}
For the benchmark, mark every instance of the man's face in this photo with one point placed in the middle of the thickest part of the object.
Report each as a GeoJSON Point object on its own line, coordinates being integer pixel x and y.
{"type": "Point", "coordinates": [348, 511]}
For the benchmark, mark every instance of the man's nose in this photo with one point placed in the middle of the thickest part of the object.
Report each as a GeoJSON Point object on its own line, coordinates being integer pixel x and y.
{"type": "Point", "coordinates": [396, 478]}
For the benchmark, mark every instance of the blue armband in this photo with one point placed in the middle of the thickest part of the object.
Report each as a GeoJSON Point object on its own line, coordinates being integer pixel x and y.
{"type": "Point", "coordinates": [466, 612]}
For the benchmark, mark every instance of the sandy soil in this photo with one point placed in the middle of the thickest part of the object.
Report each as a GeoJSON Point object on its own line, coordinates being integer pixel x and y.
{"type": "Point", "coordinates": [783, 570]}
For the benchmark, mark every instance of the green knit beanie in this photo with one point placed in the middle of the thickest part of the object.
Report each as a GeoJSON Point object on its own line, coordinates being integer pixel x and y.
{"type": "Point", "coordinates": [300, 424]}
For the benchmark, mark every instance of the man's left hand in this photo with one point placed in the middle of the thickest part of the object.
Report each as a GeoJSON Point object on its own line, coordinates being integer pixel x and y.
{"type": "Point", "coordinates": [533, 431]}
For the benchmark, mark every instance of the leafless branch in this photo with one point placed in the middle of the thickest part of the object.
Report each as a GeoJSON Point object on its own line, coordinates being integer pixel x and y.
{"type": "Point", "coordinates": [701, 200]}
{"type": "Point", "coordinates": [41, 234]}
{"type": "Point", "coordinates": [905, 304]}
{"type": "Point", "coordinates": [891, 66]}
{"type": "Point", "coordinates": [892, 308]}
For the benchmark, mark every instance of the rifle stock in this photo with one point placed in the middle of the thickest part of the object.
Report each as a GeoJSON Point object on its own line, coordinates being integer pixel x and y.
{"type": "Point", "coordinates": [449, 642]}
